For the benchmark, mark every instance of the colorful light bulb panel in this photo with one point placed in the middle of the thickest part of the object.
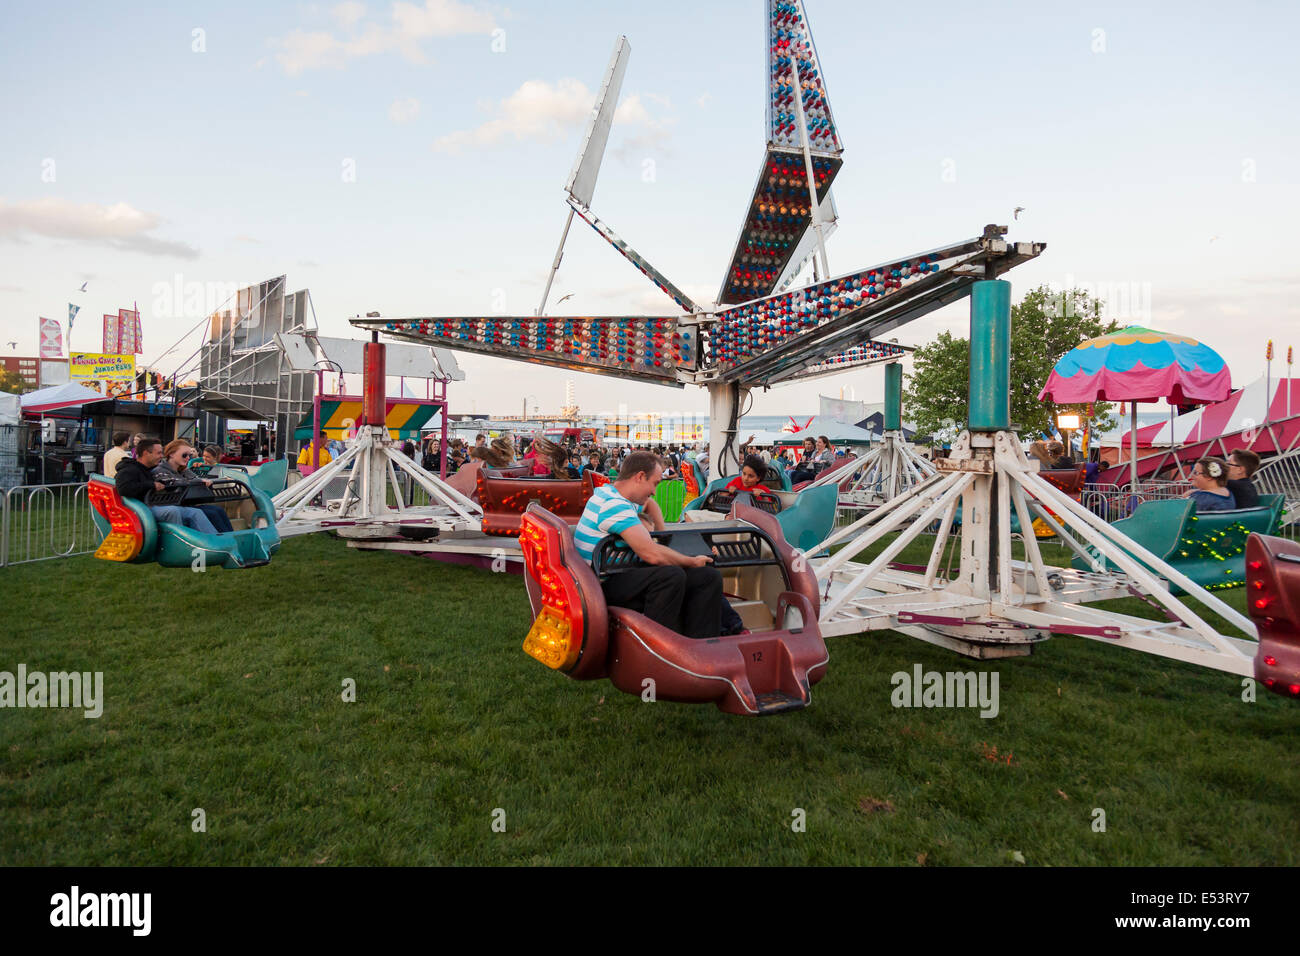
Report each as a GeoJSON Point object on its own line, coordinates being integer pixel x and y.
{"type": "Point", "coordinates": [779, 214]}
{"type": "Point", "coordinates": [790, 45]}
{"type": "Point", "coordinates": [869, 353]}
{"type": "Point", "coordinates": [754, 328]}
{"type": "Point", "coordinates": [781, 209]}
{"type": "Point", "coordinates": [641, 347]}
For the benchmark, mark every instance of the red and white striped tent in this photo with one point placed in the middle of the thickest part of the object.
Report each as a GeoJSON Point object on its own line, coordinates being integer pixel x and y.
{"type": "Point", "coordinates": [1257, 417]}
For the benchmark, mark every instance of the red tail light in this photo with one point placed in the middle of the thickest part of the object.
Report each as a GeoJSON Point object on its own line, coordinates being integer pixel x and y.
{"type": "Point", "coordinates": [556, 636]}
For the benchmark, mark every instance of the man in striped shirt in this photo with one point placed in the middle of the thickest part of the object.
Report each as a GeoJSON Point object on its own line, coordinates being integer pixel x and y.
{"type": "Point", "coordinates": [681, 592]}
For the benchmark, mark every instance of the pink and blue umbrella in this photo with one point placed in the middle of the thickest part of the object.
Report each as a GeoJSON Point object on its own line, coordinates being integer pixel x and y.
{"type": "Point", "coordinates": [1139, 365]}
{"type": "Point", "coordinates": [1135, 365]}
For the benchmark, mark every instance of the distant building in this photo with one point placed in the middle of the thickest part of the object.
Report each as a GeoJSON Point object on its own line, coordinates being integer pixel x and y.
{"type": "Point", "coordinates": [29, 367]}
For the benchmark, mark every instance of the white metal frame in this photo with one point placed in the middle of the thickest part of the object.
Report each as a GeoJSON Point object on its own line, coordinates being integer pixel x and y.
{"type": "Point", "coordinates": [994, 606]}
{"type": "Point", "coordinates": [884, 472]}
{"type": "Point", "coordinates": [373, 461]}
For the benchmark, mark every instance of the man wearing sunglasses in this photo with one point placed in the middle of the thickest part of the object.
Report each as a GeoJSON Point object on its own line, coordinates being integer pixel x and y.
{"type": "Point", "coordinates": [176, 459]}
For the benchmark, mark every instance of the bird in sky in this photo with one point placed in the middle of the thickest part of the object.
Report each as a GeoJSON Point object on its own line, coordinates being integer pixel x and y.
{"type": "Point", "coordinates": [13, 345]}
{"type": "Point", "coordinates": [1019, 210]}
{"type": "Point", "coordinates": [569, 296]}
{"type": "Point", "coordinates": [83, 287]}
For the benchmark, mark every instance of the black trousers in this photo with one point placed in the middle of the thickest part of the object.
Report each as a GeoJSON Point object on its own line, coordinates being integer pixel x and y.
{"type": "Point", "coordinates": [685, 600]}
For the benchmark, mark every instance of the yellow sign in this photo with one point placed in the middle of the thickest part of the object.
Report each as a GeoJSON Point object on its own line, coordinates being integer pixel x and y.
{"type": "Point", "coordinates": [91, 366]}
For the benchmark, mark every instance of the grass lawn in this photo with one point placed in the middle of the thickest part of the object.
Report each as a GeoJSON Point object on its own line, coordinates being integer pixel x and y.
{"type": "Point", "coordinates": [223, 692]}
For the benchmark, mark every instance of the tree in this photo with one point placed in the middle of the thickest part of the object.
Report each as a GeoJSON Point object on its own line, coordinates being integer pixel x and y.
{"type": "Point", "coordinates": [13, 383]}
{"type": "Point", "coordinates": [1044, 326]}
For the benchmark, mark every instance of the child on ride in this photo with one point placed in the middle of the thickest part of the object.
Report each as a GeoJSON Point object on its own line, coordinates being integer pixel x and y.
{"type": "Point", "coordinates": [750, 478]}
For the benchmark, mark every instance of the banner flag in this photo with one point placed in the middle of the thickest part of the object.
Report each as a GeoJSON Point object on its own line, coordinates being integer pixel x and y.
{"type": "Point", "coordinates": [129, 338]}
{"type": "Point", "coordinates": [111, 339]}
{"type": "Point", "coordinates": [51, 339]}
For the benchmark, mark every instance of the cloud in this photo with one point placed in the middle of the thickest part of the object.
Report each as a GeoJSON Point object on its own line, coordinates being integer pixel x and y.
{"type": "Point", "coordinates": [119, 226]}
{"type": "Point", "coordinates": [403, 111]}
{"type": "Point", "coordinates": [408, 25]}
{"type": "Point", "coordinates": [543, 112]}
{"type": "Point", "coordinates": [349, 14]}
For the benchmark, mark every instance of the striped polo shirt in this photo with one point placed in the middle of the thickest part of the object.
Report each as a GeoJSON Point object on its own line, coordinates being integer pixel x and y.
{"type": "Point", "coordinates": [607, 512]}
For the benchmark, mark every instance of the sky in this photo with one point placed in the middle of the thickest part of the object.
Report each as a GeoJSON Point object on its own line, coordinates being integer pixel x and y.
{"type": "Point", "coordinates": [409, 158]}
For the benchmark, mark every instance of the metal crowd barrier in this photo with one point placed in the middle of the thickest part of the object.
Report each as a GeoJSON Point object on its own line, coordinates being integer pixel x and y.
{"type": "Point", "coordinates": [1112, 502]}
{"type": "Point", "coordinates": [1281, 476]}
{"type": "Point", "coordinates": [43, 522]}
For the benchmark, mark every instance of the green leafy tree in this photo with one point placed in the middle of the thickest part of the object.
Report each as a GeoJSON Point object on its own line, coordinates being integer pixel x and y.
{"type": "Point", "coordinates": [13, 383]}
{"type": "Point", "coordinates": [1044, 326]}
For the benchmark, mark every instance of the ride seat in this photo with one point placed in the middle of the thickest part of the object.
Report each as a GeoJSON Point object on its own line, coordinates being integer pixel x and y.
{"type": "Point", "coordinates": [1068, 480]}
{"type": "Point", "coordinates": [133, 534]}
{"type": "Point", "coordinates": [504, 500]}
{"type": "Point", "coordinates": [1273, 599]}
{"type": "Point", "coordinates": [520, 469]}
{"type": "Point", "coordinates": [576, 632]}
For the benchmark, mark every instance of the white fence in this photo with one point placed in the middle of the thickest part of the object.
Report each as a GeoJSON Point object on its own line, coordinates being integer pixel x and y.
{"type": "Point", "coordinates": [1281, 476]}
{"type": "Point", "coordinates": [42, 522]}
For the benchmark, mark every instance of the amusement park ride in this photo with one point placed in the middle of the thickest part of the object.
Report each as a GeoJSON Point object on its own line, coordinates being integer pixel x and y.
{"type": "Point", "coordinates": [887, 469]}
{"type": "Point", "coordinates": [757, 335]}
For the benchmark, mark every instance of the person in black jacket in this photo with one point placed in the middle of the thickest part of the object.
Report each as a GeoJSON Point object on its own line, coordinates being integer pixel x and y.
{"type": "Point", "coordinates": [1060, 460]}
{"type": "Point", "coordinates": [134, 479]}
{"type": "Point", "coordinates": [1242, 466]}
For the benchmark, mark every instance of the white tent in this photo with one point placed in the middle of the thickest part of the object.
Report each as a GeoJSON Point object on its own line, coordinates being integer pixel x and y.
{"type": "Point", "coordinates": [839, 433]}
{"type": "Point", "coordinates": [11, 470]}
{"type": "Point", "coordinates": [68, 395]}
{"type": "Point", "coordinates": [10, 409]}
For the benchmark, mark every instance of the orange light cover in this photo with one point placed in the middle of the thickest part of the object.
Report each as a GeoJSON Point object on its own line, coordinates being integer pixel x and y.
{"type": "Point", "coordinates": [125, 540]}
{"type": "Point", "coordinates": [556, 636]}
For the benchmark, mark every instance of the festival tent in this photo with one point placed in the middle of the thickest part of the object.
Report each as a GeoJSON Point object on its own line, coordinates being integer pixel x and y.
{"type": "Point", "coordinates": [875, 422]}
{"type": "Point", "coordinates": [339, 415]}
{"type": "Point", "coordinates": [839, 433]}
{"type": "Point", "coordinates": [1257, 417]}
{"type": "Point", "coordinates": [67, 395]}
{"type": "Point", "coordinates": [1244, 409]}
{"type": "Point", "coordinates": [10, 406]}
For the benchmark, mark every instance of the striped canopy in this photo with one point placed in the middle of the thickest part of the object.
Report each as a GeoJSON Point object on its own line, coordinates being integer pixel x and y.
{"type": "Point", "coordinates": [1245, 410]}
{"type": "Point", "coordinates": [338, 417]}
{"type": "Point", "coordinates": [1137, 364]}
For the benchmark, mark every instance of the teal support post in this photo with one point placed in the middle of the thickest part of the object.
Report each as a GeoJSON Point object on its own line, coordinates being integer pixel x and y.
{"type": "Point", "coordinates": [894, 397]}
{"type": "Point", "coordinates": [990, 356]}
